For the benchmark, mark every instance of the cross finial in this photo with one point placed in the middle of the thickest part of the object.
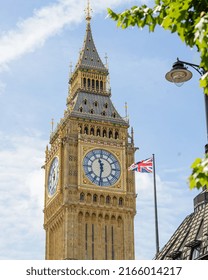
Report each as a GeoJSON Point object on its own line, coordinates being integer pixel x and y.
{"type": "Point", "coordinates": [87, 11]}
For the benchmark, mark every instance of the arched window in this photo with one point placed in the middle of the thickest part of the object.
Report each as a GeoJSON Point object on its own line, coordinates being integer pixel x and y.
{"type": "Point", "coordinates": [91, 111]}
{"type": "Point", "coordinates": [108, 199]}
{"type": "Point", "coordinates": [110, 134]}
{"type": "Point", "coordinates": [94, 198]}
{"type": "Point", "coordinates": [86, 130]}
{"type": "Point", "coordinates": [116, 135]}
{"type": "Point", "coordinates": [120, 201]}
{"type": "Point", "coordinates": [98, 132]}
{"type": "Point", "coordinates": [97, 85]}
{"type": "Point", "coordinates": [81, 109]}
{"type": "Point", "coordinates": [85, 101]}
{"type": "Point", "coordinates": [92, 131]}
{"type": "Point", "coordinates": [93, 84]}
{"type": "Point", "coordinates": [104, 133]}
{"type": "Point", "coordinates": [88, 83]}
{"type": "Point", "coordinates": [103, 113]}
{"type": "Point", "coordinates": [106, 105]}
{"type": "Point", "coordinates": [84, 82]}
{"type": "Point", "coordinates": [101, 85]}
{"type": "Point", "coordinates": [82, 196]}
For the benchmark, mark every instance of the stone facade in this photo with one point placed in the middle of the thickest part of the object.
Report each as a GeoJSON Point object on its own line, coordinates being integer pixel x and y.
{"type": "Point", "coordinates": [85, 218]}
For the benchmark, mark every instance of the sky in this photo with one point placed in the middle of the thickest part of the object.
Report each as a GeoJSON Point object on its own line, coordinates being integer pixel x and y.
{"type": "Point", "coordinates": [38, 41]}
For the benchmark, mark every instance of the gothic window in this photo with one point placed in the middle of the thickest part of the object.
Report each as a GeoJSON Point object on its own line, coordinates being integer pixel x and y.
{"type": "Point", "coordinates": [101, 85]}
{"type": "Point", "coordinates": [85, 102]}
{"type": "Point", "coordinates": [84, 82]}
{"type": "Point", "coordinates": [98, 132]}
{"type": "Point", "coordinates": [88, 83]}
{"type": "Point", "coordinates": [110, 134]}
{"type": "Point", "coordinates": [81, 109]}
{"type": "Point", "coordinates": [108, 199]}
{"type": "Point", "coordinates": [86, 130]}
{"type": "Point", "coordinates": [97, 85]}
{"type": "Point", "coordinates": [95, 103]}
{"type": "Point", "coordinates": [93, 84]}
{"type": "Point", "coordinates": [92, 131]}
{"type": "Point", "coordinates": [106, 105]}
{"type": "Point", "coordinates": [104, 133]}
{"type": "Point", "coordinates": [114, 115]}
{"type": "Point", "coordinates": [116, 135]}
{"type": "Point", "coordinates": [120, 202]}
{"type": "Point", "coordinates": [80, 217]}
{"type": "Point", "coordinates": [91, 111]}
{"type": "Point", "coordinates": [81, 197]}
{"type": "Point", "coordinates": [94, 198]}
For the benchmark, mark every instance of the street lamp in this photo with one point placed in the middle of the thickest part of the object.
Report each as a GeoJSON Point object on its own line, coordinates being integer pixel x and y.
{"type": "Point", "coordinates": [180, 74]}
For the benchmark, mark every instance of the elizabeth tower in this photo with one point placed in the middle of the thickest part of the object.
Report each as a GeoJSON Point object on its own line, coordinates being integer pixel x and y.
{"type": "Point", "coordinates": [90, 200]}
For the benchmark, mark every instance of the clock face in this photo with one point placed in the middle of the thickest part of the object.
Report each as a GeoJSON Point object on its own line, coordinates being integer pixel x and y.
{"type": "Point", "coordinates": [101, 167]}
{"type": "Point", "coordinates": [53, 176]}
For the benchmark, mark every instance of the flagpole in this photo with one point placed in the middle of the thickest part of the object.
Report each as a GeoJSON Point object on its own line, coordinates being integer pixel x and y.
{"type": "Point", "coordinates": [155, 202]}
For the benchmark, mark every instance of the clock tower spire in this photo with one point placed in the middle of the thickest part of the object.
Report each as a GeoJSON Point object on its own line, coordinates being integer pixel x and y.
{"type": "Point", "coordinates": [89, 193]}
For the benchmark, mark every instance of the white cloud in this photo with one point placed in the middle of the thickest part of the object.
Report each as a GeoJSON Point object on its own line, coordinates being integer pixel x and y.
{"type": "Point", "coordinates": [31, 33]}
{"type": "Point", "coordinates": [21, 197]}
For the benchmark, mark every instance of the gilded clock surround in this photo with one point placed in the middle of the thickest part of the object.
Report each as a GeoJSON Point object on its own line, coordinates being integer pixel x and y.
{"type": "Point", "coordinates": [83, 220]}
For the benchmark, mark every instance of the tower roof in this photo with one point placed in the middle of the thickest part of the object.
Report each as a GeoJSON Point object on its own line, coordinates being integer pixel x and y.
{"type": "Point", "coordinates": [89, 57]}
{"type": "Point", "coordinates": [190, 239]}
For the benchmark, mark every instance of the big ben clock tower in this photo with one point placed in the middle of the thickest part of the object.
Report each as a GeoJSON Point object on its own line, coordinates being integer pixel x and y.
{"type": "Point", "coordinates": [89, 194]}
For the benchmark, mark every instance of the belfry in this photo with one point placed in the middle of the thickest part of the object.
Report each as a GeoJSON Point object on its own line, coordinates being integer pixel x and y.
{"type": "Point", "coordinates": [90, 199]}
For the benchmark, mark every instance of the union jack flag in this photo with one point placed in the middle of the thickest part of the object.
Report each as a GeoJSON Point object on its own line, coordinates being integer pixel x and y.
{"type": "Point", "coordinates": [142, 166]}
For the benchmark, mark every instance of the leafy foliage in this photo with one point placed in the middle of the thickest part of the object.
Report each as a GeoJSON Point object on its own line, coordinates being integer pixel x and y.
{"type": "Point", "coordinates": [189, 19]}
{"type": "Point", "coordinates": [199, 177]}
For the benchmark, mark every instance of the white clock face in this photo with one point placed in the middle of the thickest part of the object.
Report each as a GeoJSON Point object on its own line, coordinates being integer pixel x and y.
{"type": "Point", "coordinates": [53, 176]}
{"type": "Point", "coordinates": [101, 167]}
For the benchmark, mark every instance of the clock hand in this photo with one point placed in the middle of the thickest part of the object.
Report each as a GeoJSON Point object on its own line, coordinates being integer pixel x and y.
{"type": "Point", "coordinates": [101, 169]}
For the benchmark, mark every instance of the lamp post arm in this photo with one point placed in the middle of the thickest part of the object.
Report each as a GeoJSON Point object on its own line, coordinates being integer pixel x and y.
{"type": "Point", "coordinates": [196, 67]}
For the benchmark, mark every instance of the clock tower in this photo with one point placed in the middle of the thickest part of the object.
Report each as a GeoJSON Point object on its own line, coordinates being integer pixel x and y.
{"type": "Point", "coordinates": [90, 200]}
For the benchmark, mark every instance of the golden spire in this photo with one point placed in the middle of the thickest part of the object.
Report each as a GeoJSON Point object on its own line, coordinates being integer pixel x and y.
{"type": "Point", "coordinates": [87, 11]}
